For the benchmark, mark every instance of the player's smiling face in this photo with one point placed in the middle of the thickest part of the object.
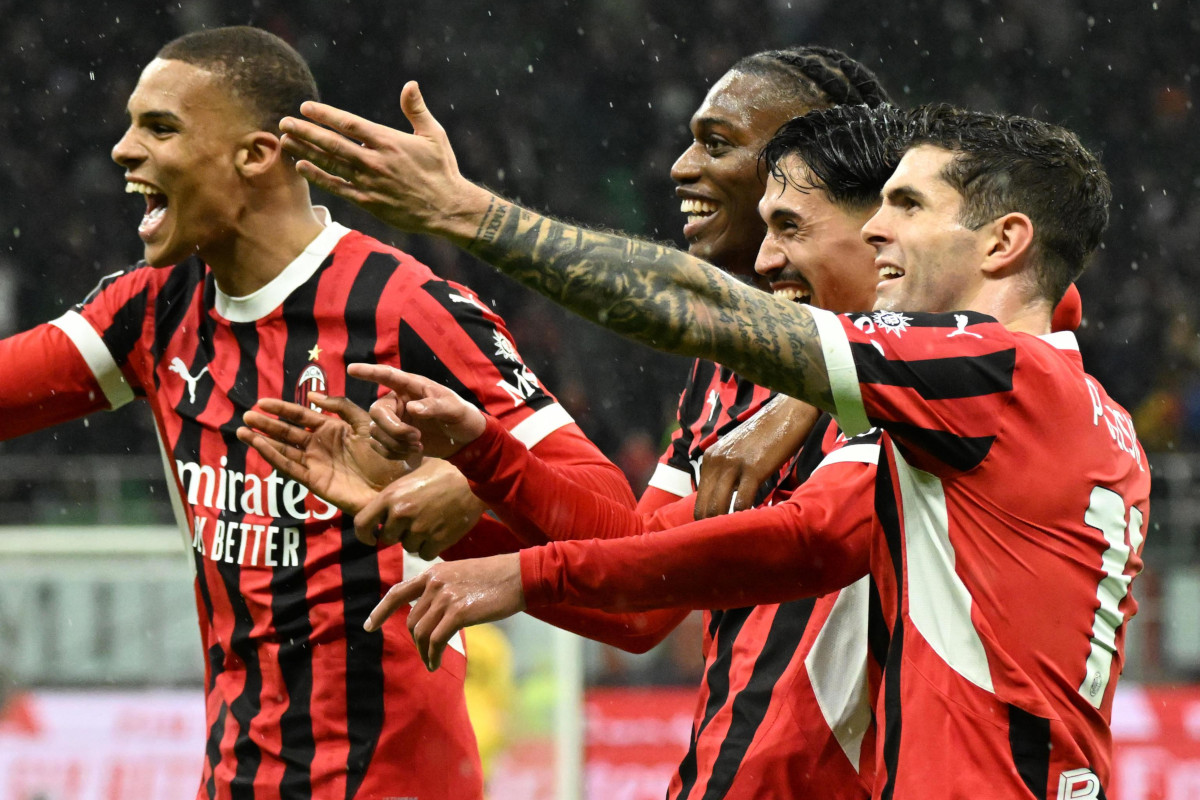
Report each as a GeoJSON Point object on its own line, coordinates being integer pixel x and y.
{"type": "Point", "coordinates": [814, 251]}
{"type": "Point", "coordinates": [719, 181]}
{"type": "Point", "coordinates": [179, 152]}
{"type": "Point", "coordinates": [926, 258]}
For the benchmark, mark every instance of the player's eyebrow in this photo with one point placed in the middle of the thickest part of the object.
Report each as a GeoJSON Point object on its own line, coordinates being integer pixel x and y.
{"type": "Point", "coordinates": [780, 214]}
{"type": "Point", "coordinates": [146, 117]}
{"type": "Point", "coordinates": [904, 192]}
{"type": "Point", "coordinates": [708, 123]}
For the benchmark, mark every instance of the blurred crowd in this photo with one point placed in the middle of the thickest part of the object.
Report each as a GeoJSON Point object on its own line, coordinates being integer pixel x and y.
{"type": "Point", "coordinates": [579, 107]}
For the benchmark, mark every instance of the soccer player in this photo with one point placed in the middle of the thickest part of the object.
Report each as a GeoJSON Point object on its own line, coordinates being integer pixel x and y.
{"type": "Point", "coordinates": [719, 186]}
{"type": "Point", "coordinates": [1012, 494]}
{"type": "Point", "coordinates": [247, 291]}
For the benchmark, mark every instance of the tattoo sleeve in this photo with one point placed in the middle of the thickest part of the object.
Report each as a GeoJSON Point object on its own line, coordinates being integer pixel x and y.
{"type": "Point", "coordinates": [659, 296]}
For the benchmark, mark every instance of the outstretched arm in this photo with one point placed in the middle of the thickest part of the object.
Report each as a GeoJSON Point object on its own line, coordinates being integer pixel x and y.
{"type": "Point", "coordinates": [815, 542]}
{"type": "Point", "coordinates": [649, 292]}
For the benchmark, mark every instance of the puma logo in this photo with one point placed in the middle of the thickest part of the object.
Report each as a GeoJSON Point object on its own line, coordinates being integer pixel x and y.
{"type": "Point", "coordinates": [179, 368]}
{"type": "Point", "coordinates": [961, 321]}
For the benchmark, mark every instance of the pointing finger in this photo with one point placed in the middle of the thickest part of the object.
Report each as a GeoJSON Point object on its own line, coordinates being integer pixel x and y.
{"type": "Point", "coordinates": [397, 597]}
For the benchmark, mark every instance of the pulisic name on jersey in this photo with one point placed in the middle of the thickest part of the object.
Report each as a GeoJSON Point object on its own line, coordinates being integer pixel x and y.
{"type": "Point", "coordinates": [1119, 424]}
{"type": "Point", "coordinates": [247, 543]}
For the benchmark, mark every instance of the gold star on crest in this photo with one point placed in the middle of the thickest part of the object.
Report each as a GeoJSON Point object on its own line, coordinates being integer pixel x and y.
{"type": "Point", "coordinates": [315, 353]}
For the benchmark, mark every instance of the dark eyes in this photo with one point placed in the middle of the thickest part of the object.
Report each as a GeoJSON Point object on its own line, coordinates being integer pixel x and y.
{"type": "Point", "coordinates": [715, 145]}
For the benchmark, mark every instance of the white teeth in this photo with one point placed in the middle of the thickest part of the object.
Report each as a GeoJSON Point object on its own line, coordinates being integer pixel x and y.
{"type": "Point", "coordinates": [887, 273]}
{"type": "Point", "coordinates": [793, 294]}
{"type": "Point", "coordinates": [697, 208]}
{"type": "Point", "coordinates": [133, 187]}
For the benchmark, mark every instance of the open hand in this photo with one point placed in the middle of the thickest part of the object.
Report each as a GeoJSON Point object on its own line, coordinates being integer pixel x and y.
{"type": "Point", "coordinates": [409, 180]}
{"type": "Point", "coordinates": [334, 457]}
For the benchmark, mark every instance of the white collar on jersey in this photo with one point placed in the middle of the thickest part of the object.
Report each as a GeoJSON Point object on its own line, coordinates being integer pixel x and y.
{"type": "Point", "coordinates": [1063, 340]}
{"type": "Point", "coordinates": [257, 305]}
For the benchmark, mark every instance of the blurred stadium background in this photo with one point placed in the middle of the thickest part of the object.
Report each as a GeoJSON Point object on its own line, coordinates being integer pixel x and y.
{"type": "Point", "coordinates": [578, 107]}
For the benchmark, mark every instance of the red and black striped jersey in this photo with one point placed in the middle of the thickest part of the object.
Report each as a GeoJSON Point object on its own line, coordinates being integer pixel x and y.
{"type": "Point", "coordinates": [715, 401]}
{"type": "Point", "coordinates": [767, 640]}
{"type": "Point", "coordinates": [301, 701]}
{"type": "Point", "coordinates": [1012, 501]}
{"type": "Point", "coordinates": [785, 701]}
{"type": "Point", "coordinates": [784, 708]}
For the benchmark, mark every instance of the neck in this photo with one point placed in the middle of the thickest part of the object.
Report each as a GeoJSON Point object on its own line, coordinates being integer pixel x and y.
{"type": "Point", "coordinates": [270, 232]}
{"type": "Point", "coordinates": [1014, 308]}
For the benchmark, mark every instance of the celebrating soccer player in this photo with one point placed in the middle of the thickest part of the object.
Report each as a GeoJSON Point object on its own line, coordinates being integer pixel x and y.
{"type": "Point", "coordinates": [247, 291]}
{"type": "Point", "coordinates": [1005, 604]}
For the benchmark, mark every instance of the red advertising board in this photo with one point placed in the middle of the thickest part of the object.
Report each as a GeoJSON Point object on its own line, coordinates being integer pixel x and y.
{"type": "Point", "coordinates": [137, 745]}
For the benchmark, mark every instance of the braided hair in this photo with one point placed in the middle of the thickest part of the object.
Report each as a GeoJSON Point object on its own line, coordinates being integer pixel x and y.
{"type": "Point", "coordinates": [816, 76]}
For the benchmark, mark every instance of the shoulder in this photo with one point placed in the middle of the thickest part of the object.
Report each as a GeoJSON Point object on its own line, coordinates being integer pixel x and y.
{"type": "Point", "coordinates": [357, 250]}
{"type": "Point", "coordinates": [142, 279]}
{"type": "Point", "coordinates": [952, 330]}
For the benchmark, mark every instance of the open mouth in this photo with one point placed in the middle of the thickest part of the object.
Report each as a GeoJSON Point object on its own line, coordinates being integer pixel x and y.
{"type": "Point", "coordinates": [888, 272]}
{"type": "Point", "coordinates": [697, 212]}
{"type": "Point", "coordinates": [156, 207]}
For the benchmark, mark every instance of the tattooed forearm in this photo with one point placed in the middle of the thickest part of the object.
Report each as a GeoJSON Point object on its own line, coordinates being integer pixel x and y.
{"type": "Point", "coordinates": [659, 296]}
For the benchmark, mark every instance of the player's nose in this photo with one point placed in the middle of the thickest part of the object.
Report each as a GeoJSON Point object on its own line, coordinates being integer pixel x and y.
{"type": "Point", "coordinates": [686, 168]}
{"type": "Point", "coordinates": [126, 152]}
{"type": "Point", "coordinates": [770, 259]}
{"type": "Point", "coordinates": [875, 231]}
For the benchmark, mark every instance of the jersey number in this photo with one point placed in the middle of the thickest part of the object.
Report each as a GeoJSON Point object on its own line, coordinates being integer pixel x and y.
{"type": "Point", "coordinates": [1106, 513]}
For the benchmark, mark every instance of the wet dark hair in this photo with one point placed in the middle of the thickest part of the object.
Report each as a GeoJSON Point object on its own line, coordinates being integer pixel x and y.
{"type": "Point", "coordinates": [1007, 164]}
{"type": "Point", "coordinates": [261, 70]}
{"type": "Point", "coordinates": [816, 77]}
{"type": "Point", "coordinates": [849, 152]}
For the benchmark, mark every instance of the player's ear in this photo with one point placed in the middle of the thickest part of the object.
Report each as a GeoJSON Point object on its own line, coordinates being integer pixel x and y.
{"type": "Point", "coordinates": [1009, 243]}
{"type": "Point", "coordinates": [257, 153]}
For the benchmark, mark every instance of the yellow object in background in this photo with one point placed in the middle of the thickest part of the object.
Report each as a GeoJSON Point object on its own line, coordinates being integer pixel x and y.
{"type": "Point", "coordinates": [489, 689]}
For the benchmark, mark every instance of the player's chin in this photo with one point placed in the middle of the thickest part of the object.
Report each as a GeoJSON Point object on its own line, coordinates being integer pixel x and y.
{"type": "Point", "coordinates": [885, 301]}
{"type": "Point", "coordinates": [165, 254]}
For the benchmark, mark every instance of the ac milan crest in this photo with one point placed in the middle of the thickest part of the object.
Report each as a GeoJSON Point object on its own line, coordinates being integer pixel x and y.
{"type": "Point", "coordinates": [311, 380]}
